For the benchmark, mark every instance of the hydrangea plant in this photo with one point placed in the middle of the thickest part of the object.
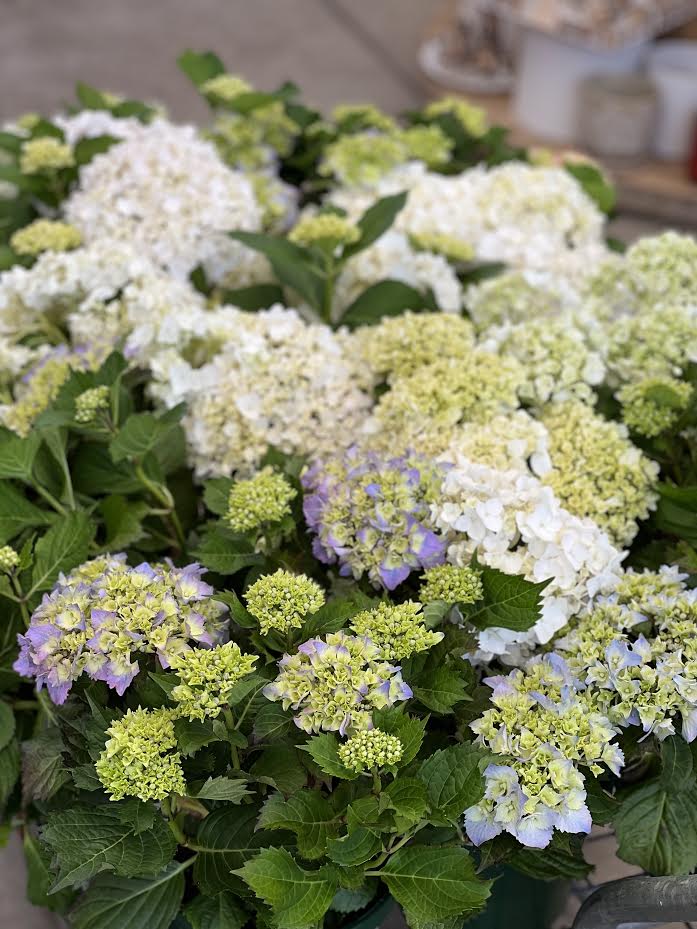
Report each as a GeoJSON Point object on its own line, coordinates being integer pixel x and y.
{"type": "Point", "coordinates": [348, 544]}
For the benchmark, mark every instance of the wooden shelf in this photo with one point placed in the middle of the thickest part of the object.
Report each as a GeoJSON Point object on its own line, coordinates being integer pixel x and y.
{"type": "Point", "coordinates": [655, 188]}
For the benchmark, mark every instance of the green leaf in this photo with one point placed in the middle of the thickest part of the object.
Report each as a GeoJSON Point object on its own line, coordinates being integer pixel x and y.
{"type": "Point", "coordinates": [307, 814]}
{"type": "Point", "coordinates": [65, 545]}
{"type": "Point", "coordinates": [334, 615]}
{"type": "Point", "coordinates": [88, 839]}
{"type": "Point", "coordinates": [509, 601]}
{"type": "Point", "coordinates": [7, 724]}
{"type": "Point", "coordinates": [226, 839]}
{"type": "Point", "coordinates": [43, 770]}
{"type": "Point", "coordinates": [407, 796]}
{"type": "Point", "coordinates": [142, 433]}
{"type": "Point", "coordinates": [256, 297]}
{"type": "Point", "coordinates": [434, 883]}
{"type": "Point", "coordinates": [123, 521]}
{"type": "Point", "coordinates": [349, 901]}
{"type": "Point", "coordinates": [376, 220]}
{"type": "Point", "coordinates": [39, 877]}
{"type": "Point", "coordinates": [676, 760]}
{"type": "Point", "coordinates": [216, 494]}
{"type": "Point", "coordinates": [444, 689]}
{"type": "Point", "coordinates": [17, 513]}
{"type": "Point", "coordinates": [595, 184]}
{"type": "Point", "coordinates": [386, 298]}
{"type": "Point", "coordinates": [113, 902]}
{"type": "Point", "coordinates": [563, 858]}
{"type": "Point", "coordinates": [453, 778]}
{"type": "Point", "coordinates": [200, 66]}
{"type": "Point", "coordinates": [224, 788]}
{"type": "Point", "coordinates": [193, 734]}
{"type": "Point", "coordinates": [408, 729]}
{"type": "Point", "coordinates": [291, 264]}
{"type": "Point", "coordinates": [299, 898]}
{"type": "Point", "coordinates": [356, 848]}
{"type": "Point", "coordinates": [657, 829]}
{"type": "Point", "coordinates": [86, 149]}
{"type": "Point", "coordinates": [224, 553]}
{"type": "Point", "coordinates": [272, 723]}
{"type": "Point", "coordinates": [280, 765]}
{"type": "Point", "coordinates": [603, 807]}
{"type": "Point", "coordinates": [676, 513]}
{"type": "Point", "coordinates": [324, 750]}
{"type": "Point", "coordinates": [17, 455]}
{"type": "Point", "coordinates": [223, 911]}
{"type": "Point", "coordinates": [9, 770]}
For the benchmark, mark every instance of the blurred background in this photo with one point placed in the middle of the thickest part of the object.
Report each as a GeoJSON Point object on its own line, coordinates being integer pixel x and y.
{"type": "Point", "coordinates": [613, 78]}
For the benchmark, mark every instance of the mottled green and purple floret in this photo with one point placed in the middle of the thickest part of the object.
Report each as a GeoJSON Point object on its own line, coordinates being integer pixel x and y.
{"type": "Point", "coordinates": [372, 514]}
{"type": "Point", "coordinates": [97, 619]}
{"type": "Point", "coordinates": [333, 685]}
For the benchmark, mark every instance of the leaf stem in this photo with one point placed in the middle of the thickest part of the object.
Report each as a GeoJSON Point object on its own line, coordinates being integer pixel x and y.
{"type": "Point", "coordinates": [49, 498]}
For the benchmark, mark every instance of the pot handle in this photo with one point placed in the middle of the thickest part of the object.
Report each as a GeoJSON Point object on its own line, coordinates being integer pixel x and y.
{"type": "Point", "coordinates": [640, 900]}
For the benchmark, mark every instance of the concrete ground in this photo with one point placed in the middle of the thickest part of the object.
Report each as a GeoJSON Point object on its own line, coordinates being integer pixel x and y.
{"type": "Point", "coordinates": [337, 50]}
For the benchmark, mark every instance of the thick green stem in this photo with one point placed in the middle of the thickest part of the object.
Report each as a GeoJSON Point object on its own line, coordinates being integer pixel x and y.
{"type": "Point", "coordinates": [49, 498]}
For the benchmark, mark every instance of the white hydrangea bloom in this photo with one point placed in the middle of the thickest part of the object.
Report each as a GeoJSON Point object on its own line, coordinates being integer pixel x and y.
{"type": "Point", "coordinates": [167, 192]}
{"type": "Point", "coordinates": [277, 381]}
{"type": "Point", "coordinates": [517, 525]}
{"type": "Point", "coordinates": [90, 124]}
{"type": "Point", "coordinates": [508, 442]}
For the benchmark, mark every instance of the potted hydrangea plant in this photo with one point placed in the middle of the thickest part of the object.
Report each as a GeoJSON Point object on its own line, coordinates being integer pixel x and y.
{"type": "Point", "coordinates": [347, 512]}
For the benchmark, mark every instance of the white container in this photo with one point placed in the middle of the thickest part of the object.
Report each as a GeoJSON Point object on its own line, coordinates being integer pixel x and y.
{"type": "Point", "coordinates": [550, 72]}
{"type": "Point", "coordinates": [673, 68]}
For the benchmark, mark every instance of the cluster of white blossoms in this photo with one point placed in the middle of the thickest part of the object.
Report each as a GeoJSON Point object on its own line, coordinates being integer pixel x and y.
{"type": "Point", "coordinates": [92, 124]}
{"type": "Point", "coordinates": [517, 525]}
{"type": "Point", "coordinates": [277, 381]}
{"type": "Point", "coordinates": [167, 192]}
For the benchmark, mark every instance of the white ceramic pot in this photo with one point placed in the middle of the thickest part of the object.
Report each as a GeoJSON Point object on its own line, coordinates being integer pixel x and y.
{"type": "Point", "coordinates": [672, 65]}
{"type": "Point", "coordinates": [550, 72]}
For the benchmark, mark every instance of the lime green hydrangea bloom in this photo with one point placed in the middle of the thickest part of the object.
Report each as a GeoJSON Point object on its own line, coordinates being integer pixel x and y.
{"type": "Point", "coordinates": [399, 345]}
{"type": "Point", "coordinates": [362, 158]}
{"type": "Point", "coordinates": [28, 121]}
{"type": "Point", "coordinates": [45, 235]}
{"type": "Point", "coordinates": [423, 409]}
{"type": "Point", "coordinates": [653, 405]}
{"type": "Point", "coordinates": [370, 749]}
{"type": "Point", "coordinates": [282, 600]}
{"type": "Point", "coordinates": [208, 676]}
{"type": "Point", "coordinates": [472, 118]}
{"type": "Point", "coordinates": [397, 629]}
{"type": "Point", "coordinates": [326, 230]}
{"type": "Point", "coordinates": [428, 144]}
{"type": "Point", "coordinates": [440, 243]}
{"type": "Point", "coordinates": [45, 153]}
{"type": "Point", "coordinates": [597, 472]}
{"type": "Point", "coordinates": [663, 269]}
{"type": "Point", "coordinates": [451, 584]}
{"type": "Point", "coordinates": [261, 500]}
{"type": "Point", "coordinates": [9, 559]}
{"type": "Point", "coordinates": [651, 343]}
{"type": "Point", "coordinates": [90, 402]}
{"type": "Point", "coordinates": [509, 298]}
{"type": "Point", "coordinates": [225, 87]}
{"type": "Point", "coordinates": [140, 757]}
{"type": "Point", "coordinates": [354, 117]}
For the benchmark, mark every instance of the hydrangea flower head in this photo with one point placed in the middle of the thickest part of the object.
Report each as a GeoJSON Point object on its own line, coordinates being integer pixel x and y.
{"type": "Point", "coordinates": [45, 153]}
{"type": "Point", "coordinates": [398, 630]}
{"type": "Point", "coordinates": [353, 117]}
{"type": "Point", "coordinates": [45, 235]}
{"type": "Point", "coordinates": [96, 620]}
{"type": "Point", "coordinates": [370, 749]}
{"type": "Point", "coordinates": [362, 158]}
{"type": "Point", "coordinates": [649, 343]}
{"type": "Point", "coordinates": [662, 268]}
{"type": "Point", "coordinates": [334, 684]}
{"type": "Point", "coordinates": [372, 514]}
{"type": "Point", "coordinates": [261, 500]}
{"type": "Point", "coordinates": [225, 87]}
{"type": "Point", "coordinates": [90, 402]}
{"type": "Point", "coordinates": [283, 600]}
{"type": "Point", "coordinates": [513, 297]}
{"type": "Point", "coordinates": [428, 144]}
{"type": "Point", "coordinates": [597, 472]}
{"type": "Point", "coordinates": [140, 757]}
{"type": "Point", "coordinates": [9, 559]}
{"type": "Point", "coordinates": [653, 405]}
{"type": "Point", "coordinates": [208, 676]}
{"type": "Point", "coordinates": [472, 118]}
{"type": "Point", "coordinates": [325, 230]}
{"type": "Point", "coordinates": [452, 584]}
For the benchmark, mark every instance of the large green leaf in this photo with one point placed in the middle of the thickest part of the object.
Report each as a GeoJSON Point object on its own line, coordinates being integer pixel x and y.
{"type": "Point", "coordinates": [434, 883]}
{"type": "Point", "coordinates": [407, 796]}
{"type": "Point", "coordinates": [113, 902]}
{"type": "Point", "coordinates": [298, 898]}
{"type": "Point", "coordinates": [408, 729]}
{"type": "Point", "coordinates": [509, 601]}
{"type": "Point", "coordinates": [7, 723]}
{"type": "Point", "coordinates": [376, 220]}
{"type": "Point", "coordinates": [356, 848]}
{"type": "Point", "coordinates": [224, 553]}
{"type": "Point", "coordinates": [440, 689]}
{"type": "Point", "coordinates": [43, 769]}
{"type": "Point", "coordinates": [143, 433]}
{"type": "Point", "coordinates": [123, 521]}
{"type": "Point", "coordinates": [17, 513]}
{"type": "Point", "coordinates": [63, 547]}
{"type": "Point", "coordinates": [200, 66]}
{"type": "Point", "coordinates": [9, 770]}
{"type": "Point", "coordinates": [386, 298]}
{"type": "Point", "coordinates": [291, 264]}
{"type": "Point", "coordinates": [307, 814]}
{"type": "Point", "coordinates": [88, 839]}
{"type": "Point", "coordinates": [454, 779]}
{"type": "Point", "coordinates": [224, 788]}
{"type": "Point", "coordinates": [657, 829]}
{"type": "Point", "coordinates": [324, 749]}
{"type": "Point", "coordinates": [223, 911]}
{"type": "Point", "coordinates": [677, 512]}
{"type": "Point", "coordinates": [17, 454]}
